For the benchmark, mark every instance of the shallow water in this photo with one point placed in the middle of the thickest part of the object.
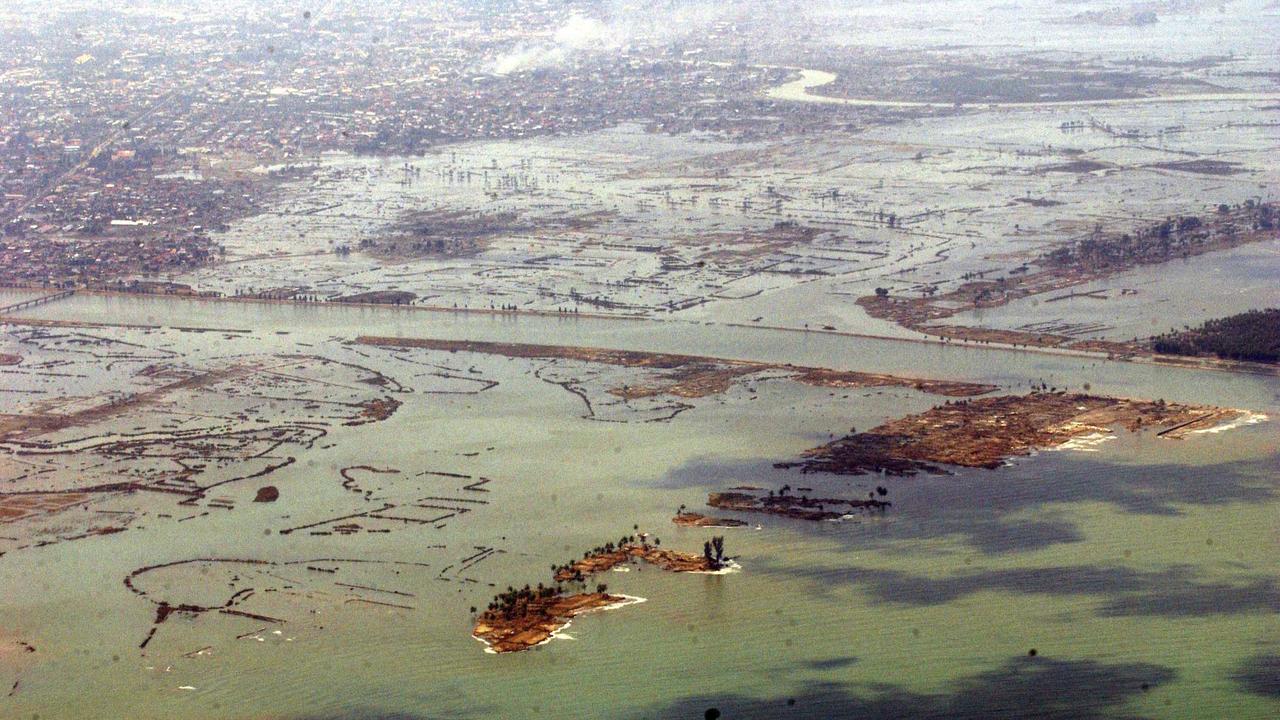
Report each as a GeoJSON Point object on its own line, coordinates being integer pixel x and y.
{"type": "Point", "coordinates": [1189, 292]}
{"type": "Point", "coordinates": [1144, 575]}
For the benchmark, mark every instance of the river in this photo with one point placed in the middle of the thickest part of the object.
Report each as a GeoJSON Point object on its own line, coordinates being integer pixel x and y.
{"type": "Point", "coordinates": [801, 90]}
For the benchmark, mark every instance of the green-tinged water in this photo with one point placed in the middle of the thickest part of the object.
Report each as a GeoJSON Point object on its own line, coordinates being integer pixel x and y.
{"type": "Point", "coordinates": [1144, 575]}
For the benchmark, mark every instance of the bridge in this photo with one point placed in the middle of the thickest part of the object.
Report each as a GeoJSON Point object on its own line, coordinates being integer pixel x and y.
{"type": "Point", "coordinates": [34, 302]}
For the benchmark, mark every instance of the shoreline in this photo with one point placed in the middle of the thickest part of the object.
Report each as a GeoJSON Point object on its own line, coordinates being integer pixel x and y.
{"type": "Point", "coordinates": [1086, 443]}
{"type": "Point", "coordinates": [1244, 419]}
{"type": "Point", "coordinates": [729, 567]}
{"type": "Point", "coordinates": [559, 633]}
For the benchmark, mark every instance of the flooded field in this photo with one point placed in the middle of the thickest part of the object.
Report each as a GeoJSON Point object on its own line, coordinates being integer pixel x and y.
{"type": "Point", "coordinates": [213, 490]}
{"type": "Point", "coordinates": [385, 531]}
{"type": "Point", "coordinates": [1150, 301]}
{"type": "Point", "coordinates": [584, 360]}
{"type": "Point", "coordinates": [626, 222]}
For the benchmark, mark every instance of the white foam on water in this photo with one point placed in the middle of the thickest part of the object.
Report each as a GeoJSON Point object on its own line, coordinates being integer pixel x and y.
{"type": "Point", "coordinates": [729, 568]}
{"type": "Point", "coordinates": [626, 600]}
{"type": "Point", "coordinates": [1086, 443]}
{"type": "Point", "coordinates": [1244, 418]}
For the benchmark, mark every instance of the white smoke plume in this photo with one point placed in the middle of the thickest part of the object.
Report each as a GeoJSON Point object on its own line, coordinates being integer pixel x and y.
{"type": "Point", "coordinates": [578, 34]}
{"type": "Point", "coordinates": [624, 25]}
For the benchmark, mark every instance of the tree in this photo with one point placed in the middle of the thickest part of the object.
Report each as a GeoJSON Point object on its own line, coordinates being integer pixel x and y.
{"type": "Point", "coordinates": [713, 551]}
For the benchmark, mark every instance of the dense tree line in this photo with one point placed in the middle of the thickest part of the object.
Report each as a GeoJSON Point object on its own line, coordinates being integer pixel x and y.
{"type": "Point", "coordinates": [1165, 240]}
{"type": "Point", "coordinates": [1254, 335]}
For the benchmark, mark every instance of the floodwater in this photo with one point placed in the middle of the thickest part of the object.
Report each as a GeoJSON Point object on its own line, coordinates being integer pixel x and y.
{"type": "Point", "coordinates": [1143, 575]}
{"type": "Point", "coordinates": [635, 223]}
{"type": "Point", "coordinates": [16, 295]}
{"type": "Point", "coordinates": [1132, 577]}
{"type": "Point", "coordinates": [1149, 301]}
{"type": "Point", "coordinates": [801, 90]}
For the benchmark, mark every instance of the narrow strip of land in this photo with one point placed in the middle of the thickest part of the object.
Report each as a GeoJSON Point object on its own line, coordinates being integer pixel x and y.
{"type": "Point", "coordinates": [689, 375]}
{"type": "Point", "coordinates": [952, 335]}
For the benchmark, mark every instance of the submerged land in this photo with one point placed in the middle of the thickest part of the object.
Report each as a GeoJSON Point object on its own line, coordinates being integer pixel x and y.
{"type": "Point", "coordinates": [319, 327]}
{"type": "Point", "coordinates": [1098, 255]}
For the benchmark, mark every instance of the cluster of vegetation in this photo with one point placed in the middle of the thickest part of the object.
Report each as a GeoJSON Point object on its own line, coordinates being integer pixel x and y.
{"type": "Point", "coordinates": [1254, 335]}
{"type": "Point", "coordinates": [515, 602]}
{"type": "Point", "coordinates": [1167, 239]}
{"type": "Point", "coordinates": [1155, 243]}
{"type": "Point", "coordinates": [570, 567]}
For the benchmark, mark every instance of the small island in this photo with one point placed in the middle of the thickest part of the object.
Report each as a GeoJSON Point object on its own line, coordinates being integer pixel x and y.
{"type": "Point", "coordinates": [523, 618]}
{"type": "Point", "coordinates": [685, 518]}
{"type": "Point", "coordinates": [798, 507]}
{"type": "Point", "coordinates": [984, 433]}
